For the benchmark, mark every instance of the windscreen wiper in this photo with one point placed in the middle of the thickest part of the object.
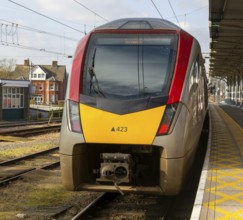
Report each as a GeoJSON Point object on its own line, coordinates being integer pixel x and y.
{"type": "Point", "coordinates": [92, 74]}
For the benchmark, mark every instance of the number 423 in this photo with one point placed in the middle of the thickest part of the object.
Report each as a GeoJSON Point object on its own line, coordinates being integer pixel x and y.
{"type": "Point", "coordinates": [119, 129]}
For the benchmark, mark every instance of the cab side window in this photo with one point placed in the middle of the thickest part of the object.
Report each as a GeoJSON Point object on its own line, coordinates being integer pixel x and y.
{"type": "Point", "coordinates": [194, 76]}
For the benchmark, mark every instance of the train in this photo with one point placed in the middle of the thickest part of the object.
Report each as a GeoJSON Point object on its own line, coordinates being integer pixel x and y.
{"type": "Point", "coordinates": [135, 106]}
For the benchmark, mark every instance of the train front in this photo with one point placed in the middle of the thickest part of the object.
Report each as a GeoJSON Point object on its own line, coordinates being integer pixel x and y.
{"type": "Point", "coordinates": [118, 115]}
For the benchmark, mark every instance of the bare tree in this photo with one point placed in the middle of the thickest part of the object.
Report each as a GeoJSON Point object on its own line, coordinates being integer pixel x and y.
{"type": "Point", "coordinates": [6, 68]}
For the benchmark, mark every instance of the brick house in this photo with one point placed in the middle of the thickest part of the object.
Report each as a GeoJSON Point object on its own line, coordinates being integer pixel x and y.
{"type": "Point", "coordinates": [48, 82]}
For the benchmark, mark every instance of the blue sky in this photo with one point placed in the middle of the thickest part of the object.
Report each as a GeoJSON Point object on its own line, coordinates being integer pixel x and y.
{"type": "Point", "coordinates": [61, 39]}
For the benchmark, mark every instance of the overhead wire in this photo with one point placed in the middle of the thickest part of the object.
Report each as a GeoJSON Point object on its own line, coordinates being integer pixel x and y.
{"type": "Point", "coordinates": [4, 43]}
{"type": "Point", "coordinates": [190, 12]}
{"type": "Point", "coordinates": [96, 14]}
{"type": "Point", "coordinates": [46, 16]}
{"type": "Point", "coordinates": [174, 13]}
{"type": "Point", "coordinates": [37, 30]}
{"type": "Point", "coordinates": [197, 9]}
{"type": "Point", "coordinates": [157, 9]}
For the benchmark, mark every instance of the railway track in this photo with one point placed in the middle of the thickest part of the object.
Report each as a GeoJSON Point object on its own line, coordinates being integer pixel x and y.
{"type": "Point", "coordinates": [13, 169]}
{"type": "Point", "coordinates": [131, 206]}
{"type": "Point", "coordinates": [8, 124]}
{"type": "Point", "coordinates": [24, 132]}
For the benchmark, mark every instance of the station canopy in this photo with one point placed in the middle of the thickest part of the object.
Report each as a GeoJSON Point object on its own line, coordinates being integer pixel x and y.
{"type": "Point", "coordinates": [226, 33]}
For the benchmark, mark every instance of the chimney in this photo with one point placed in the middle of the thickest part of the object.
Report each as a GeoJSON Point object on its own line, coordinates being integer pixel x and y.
{"type": "Point", "coordinates": [27, 62]}
{"type": "Point", "coordinates": [54, 63]}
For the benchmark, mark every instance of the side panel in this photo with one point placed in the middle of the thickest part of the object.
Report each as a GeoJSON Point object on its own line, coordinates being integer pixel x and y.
{"type": "Point", "coordinates": [69, 139]}
{"type": "Point", "coordinates": [176, 142]}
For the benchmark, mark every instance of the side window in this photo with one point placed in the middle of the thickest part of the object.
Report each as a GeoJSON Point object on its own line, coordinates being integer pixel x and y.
{"type": "Point", "coordinates": [194, 76]}
{"type": "Point", "coordinates": [196, 72]}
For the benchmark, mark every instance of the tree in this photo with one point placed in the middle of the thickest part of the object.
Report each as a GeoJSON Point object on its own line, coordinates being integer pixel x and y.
{"type": "Point", "coordinates": [6, 68]}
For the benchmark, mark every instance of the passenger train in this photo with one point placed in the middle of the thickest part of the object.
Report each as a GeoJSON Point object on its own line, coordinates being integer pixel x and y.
{"type": "Point", "coordinates": [134, 111]}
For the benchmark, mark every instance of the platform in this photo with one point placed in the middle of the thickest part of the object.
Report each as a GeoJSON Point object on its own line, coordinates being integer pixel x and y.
{"type": "Point", "coordinates": [220, 191]}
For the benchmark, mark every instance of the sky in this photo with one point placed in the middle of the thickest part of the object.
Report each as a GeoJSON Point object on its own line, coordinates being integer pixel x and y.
{"type": "Point", "coordinates": [47, 30]}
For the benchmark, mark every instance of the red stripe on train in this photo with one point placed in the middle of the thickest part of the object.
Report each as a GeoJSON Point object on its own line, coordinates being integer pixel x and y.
{"type": "Point", "coordinates": [183, 55]}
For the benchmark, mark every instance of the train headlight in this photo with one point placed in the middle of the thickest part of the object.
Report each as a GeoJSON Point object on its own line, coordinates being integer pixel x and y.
{"type": "Point", "coordinates": [167, 122]}
{"type": "Point", "coordinates": [74, 116]}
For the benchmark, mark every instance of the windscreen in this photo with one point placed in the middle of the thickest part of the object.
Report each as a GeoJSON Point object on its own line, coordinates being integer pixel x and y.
{"type": "Point", "coordinates": [129, 66]}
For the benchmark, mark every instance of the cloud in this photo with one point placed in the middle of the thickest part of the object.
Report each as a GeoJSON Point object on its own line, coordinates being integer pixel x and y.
{"type": "Point", "coordinates": [185, 25]}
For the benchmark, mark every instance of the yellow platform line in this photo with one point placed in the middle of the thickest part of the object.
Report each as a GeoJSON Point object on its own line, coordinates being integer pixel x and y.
{"type": "Point", "coordinates": [225, 182]}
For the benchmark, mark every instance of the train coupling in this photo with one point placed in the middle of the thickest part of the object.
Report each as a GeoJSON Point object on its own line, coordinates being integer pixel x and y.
{"type": "Point", "coordinates": [116, 168]}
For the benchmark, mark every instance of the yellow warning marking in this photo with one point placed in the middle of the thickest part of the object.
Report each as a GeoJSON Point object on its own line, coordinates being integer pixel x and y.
{"type": "Point", "coordinates": [230, 215]}
{"type": "Point", "coordinates": [225, 181]}
{"type": "Point", "coordinates": [234, 198]}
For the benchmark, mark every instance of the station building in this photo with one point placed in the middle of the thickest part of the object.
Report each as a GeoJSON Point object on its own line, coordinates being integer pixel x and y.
{"type": "Point", "coordinates": [14, 101]}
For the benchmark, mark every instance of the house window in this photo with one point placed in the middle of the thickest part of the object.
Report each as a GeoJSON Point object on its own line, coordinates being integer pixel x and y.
{"type": "Point", "coordinates": [52, 98]}
{"type": "Point", "coordinates": [51, 87]}
{"type": "Point", "coordinates": [33, 75]}
{"type": "Point", "coordinates": [13, 98]}
{"type": "Point", "coordinates": [40, 87]}
{"type": "Point", "coordinates": [41, 75]}
{"type": "Point", "coordinates": [56, 87]}
{"type": "Point", "coordinates": [38, 99]}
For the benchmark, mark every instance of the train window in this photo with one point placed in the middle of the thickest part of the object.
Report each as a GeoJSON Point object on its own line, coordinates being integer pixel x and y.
{"type": "Point", "coordinates": [136, 25]}
{"type": "Point", "coordinates": [129, 66]}
{"type": "Point", "coordinates": [194, 75]}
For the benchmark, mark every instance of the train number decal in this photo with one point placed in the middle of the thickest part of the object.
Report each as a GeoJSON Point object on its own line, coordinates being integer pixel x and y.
{"type": "Point", "coordinates": [119, 129]}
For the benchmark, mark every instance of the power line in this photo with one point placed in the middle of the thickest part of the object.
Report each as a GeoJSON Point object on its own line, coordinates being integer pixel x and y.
{"type": "Point", "coordinates": [91, 10]}
{"type": "Point", "coordinates": [8, 44]}
{"type": "Point", "coordinates": [157, 9]}
{"type": "Point", "coordinates": [46, 16]}
{"type": "Point", "coordinates": [190, 12]}
{"type": "Point", "coordinates": [197, 9]}
{"type": "Point", "coordinates": [36, 30]}
{"type": "Point", "coordinates": [174, 12]}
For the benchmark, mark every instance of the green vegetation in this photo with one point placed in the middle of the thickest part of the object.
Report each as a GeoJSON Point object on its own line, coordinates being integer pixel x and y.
{"type": "Point", "coordinates": [19, 152]}
{"type": "Point", "coordinates": [45, 195]}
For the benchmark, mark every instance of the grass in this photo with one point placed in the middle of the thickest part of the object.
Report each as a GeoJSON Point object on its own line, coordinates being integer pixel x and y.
{"type": "Point", "coordinates": [7, 215]}
{"type": "Point", "coordinates": [19, 152]}
{"type": "Point", "coordinates": [45, 195]}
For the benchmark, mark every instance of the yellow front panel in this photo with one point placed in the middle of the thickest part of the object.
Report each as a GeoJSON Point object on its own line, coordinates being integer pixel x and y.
{"type": "Point", "coordinates": [135, 128]}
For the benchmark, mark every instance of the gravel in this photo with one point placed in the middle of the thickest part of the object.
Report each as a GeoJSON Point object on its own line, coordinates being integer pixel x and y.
{"type": "Point", "coordinates": [37, 195]}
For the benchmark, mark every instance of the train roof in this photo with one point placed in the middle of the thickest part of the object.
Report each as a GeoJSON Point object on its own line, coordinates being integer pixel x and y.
{"type": "Point", "coordinates": [139, 23]}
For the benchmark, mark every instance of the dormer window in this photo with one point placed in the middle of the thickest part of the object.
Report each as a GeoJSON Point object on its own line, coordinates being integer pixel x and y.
{"type": "Point", "coordinates": [41, 76]}
{"type": "Point", "coordinates": [37, 73]}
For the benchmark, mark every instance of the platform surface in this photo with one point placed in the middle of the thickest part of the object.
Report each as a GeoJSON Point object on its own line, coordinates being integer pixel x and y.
{"type": "Point", "coordinates": [220, 192]}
